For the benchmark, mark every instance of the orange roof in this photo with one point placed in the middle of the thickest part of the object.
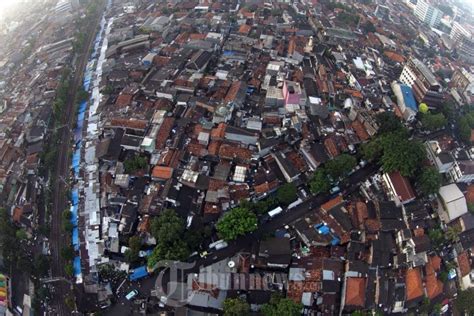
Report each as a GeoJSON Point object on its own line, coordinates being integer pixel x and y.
{"type": "Point", "coordinates": [332, 203]}
{"type": "Point", "coordinates": [133, 124]}
{"type": "Point", "coordinates": [124, 100]}
{"type": "Point", "coordinates": [414, 286]}
{"type": "Point", "coordinates": [213, 147]}
{"type": "Point", "coordinates": [433, 286]}
{"type": "Point", "coordinates": [219, 131]}
{"type": "Point", "coordinates": [360, 130]}
{"type": "Point", "coordinates": [355, 292]}
{"type": "Point", "coordinates": [244, 29]}
{"type": "Point", "coordinates": [470, 194]}
{"type": "Point", "coordinates": [197, 36]}
{"type": "Point", "coordinates": [401, 186]}
{"type": "Point", "coordinates": [436, 262]}
{"type": "Point", "coordinates": [162, 172]}
{"type": "Point", "coordinates": [232, 93]}
{"type": "Point", "coordinates": [231, 152]}
{"type": "Point", "coordinates": [394, 56]}
{"type": "Point", "coordinates": [464, 264]}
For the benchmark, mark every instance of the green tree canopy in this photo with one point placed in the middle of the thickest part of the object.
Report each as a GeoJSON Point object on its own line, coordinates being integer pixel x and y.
{"type": "Point", "coordinates": [281, 307]}
{"type": "Point", "coordinates": [236, 307]}
{"type": "Point", "coordinates": [135, 163]}
{"type": "Point", "coordinates": [433, 122]}
{"type": "Point", "coordinates": [286, 193]}
{"type": "Point", "coordinates": [238, 221]}
{"type": "Point", "coordinates": [400, 153]}
{"type": "Point", "coordinates": [388, 122]}
{"type": "Point", "coordinates": [168, 230]}
{"type": "Point", "coordinates": [430, 181]}
{"type": "Point", "coordinates": [464, 301]}
{"type": "Point", "coordinates": [134, 244]}
{"type": "Point", "coordinates": [340, 166]}
{"type": "Point", "coordinates": [320, 182]}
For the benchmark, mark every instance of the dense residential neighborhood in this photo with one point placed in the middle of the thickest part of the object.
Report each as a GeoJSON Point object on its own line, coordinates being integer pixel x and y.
{"type": "Point", "coordinates": [237, 157]}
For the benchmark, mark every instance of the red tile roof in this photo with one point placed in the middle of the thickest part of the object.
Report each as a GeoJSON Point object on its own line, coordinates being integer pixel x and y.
{"type": "Point", "coordinates": [127, 123]}
{"type": "Point", "coordinates": [161, 172]}
{"type": "Point", "coordinates": [464, 264]}
{"type": "Point", "coordinates": [230, 152]}
{"type": "Point", "coordinates": [355, 292]}
{"type": "Point", "coordinates": [414, 285]}
{"type": "Point", "coordinates": [244, 29]}
{"type": "Point", "coordinates": [124, 100]}
{"type": "Point", "coordinates": [164, 132]}
{"type": "Point", "coordinates": [402, 186]}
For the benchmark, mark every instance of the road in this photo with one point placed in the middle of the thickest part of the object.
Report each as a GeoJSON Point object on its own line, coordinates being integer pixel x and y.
{"type": "Point", "coordinates": [122, 307]}
{"type": "Point", "coordinates": [60, 199]}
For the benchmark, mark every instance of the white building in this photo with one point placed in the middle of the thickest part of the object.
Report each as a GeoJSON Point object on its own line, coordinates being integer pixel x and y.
{"type": "Point", "coordinates": [463, 38]}
{"type": "Point", "coordinates": [427, 13]}
{"type": "Point", "coordinates": [453, 203]}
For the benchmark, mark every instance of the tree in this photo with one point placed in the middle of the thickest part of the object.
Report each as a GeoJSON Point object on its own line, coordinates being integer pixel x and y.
{"type": "Point", "coordinates": [464, 129]}
{"type": "Point", "coordinates": [452, 233]}
{"type": "Point", "coordinates": [168, 229]}
{"type": "Point", "coordinates": [464, 301]}
{"type": "Point", "coordinates": [238, 221]}
{"type": "Point", "coordinates": [470, 207]}
{"type": "Point", "coordinates": [282, 307]}
{"type": "Point", "coordinates": [69, 301]}
{"type": "Point", "coordinates": [21, 234]}
{"type": "Point", "coordinates": [340, 166]}
{"type": "Point", "coordinates": [436, 236]}
{"type": "Point", "coordinates": [388, 122]}
{"type": "Point", "coordinates": [286, 193]}
{"type": "Point", "coordinates": [67, 253]}
{"type": "Point", "coordinates": [69, 269]}
{"type": "Point", "coordinates": [236, 307]}
{"type": "Point", "coordinates": [41, 265]}
{"type": "Point", "coordinates": [320, 182]}
{"type": "Point", "coordinates": [135, 163]}
{"type": "Point", "coordinates": [433, 122]}
{"type": "Point", "coordinates": [429, 181]}
{"type": "Point", "coordinates": [372, 150]}
{"type": "Point", "coordinates": [134, 245]}
{"type": "Point", "coordinates": [401, 154]}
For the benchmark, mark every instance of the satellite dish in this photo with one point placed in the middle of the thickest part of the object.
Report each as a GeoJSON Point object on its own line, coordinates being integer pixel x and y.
{"type": "Point", "coordinates": [231, 264]}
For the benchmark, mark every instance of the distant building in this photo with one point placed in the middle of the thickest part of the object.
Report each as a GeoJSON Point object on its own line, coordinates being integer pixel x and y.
{"type": "Point", "coordinates": [427, 13]}
{"type": "Point", "coordinates": [382, 12]}
{"type": "Point", "coordinates": [463, 38]}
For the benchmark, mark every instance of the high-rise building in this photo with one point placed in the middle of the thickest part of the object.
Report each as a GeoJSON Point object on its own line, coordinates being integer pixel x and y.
{"type": "Point", "coordinates": [422, 81]}
{"type": "Point", "coordinates": [427, 13]}
{"type": "Point", "coordinates": [463, 38]}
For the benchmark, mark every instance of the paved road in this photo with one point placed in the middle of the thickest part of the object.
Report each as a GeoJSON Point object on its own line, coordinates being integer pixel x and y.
{"type": "Point", "coordinates": [60, 200]}
{"type": "Point", "coordinates": [122, 307]}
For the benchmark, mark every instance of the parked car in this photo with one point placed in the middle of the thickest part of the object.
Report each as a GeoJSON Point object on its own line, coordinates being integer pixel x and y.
{"type": "Point", "coordinates": [131, 295]}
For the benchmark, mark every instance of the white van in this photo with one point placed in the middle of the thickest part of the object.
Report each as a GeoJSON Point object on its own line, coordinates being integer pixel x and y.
{"type": "Point", "coordinates": [275, 212]}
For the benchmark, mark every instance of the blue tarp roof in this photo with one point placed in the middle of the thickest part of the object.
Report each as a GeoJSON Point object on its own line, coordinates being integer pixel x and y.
{"type": "Point", "coordinates": [75, 238]}
{"type": "Point", "coordinates": [323, 229]}
{"type": "Point", "coordinates": [75, 196]}
{"type": "Point", "coordinates": [138, 273]}
{"type": "Point", "coordinates": [77, 266]}
{"type": "Point", "coordinates": [74, 215]}
{"type": "Point", "coordinates": [408, 97]}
